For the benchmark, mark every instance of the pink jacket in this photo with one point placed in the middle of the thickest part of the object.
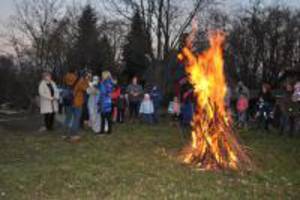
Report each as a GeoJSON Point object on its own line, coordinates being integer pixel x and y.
{"type": "Point", "coordinates": [242, 104]}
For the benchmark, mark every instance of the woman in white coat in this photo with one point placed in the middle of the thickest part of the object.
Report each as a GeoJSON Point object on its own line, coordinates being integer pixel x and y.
{"type": "Point", "coordinates": [49, 96]}
{"type": "Point", "coordinates": [94, 95]}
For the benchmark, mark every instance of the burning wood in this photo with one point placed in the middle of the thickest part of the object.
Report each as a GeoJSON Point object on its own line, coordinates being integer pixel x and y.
{"type": "Point", "coordinates": [213, 145]}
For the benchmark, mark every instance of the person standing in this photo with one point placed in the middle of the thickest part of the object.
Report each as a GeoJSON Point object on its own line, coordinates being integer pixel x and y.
{"type": "Point", "coordinates": [105, 101]}
{"type": "Point", "coordinates": [174, 109]}
{"type": "Point", "coordinates": [296, 94]}
{"type": "Point", "coordinates": [115, 96]}
{"type": "Point", "coordinates": [94, 94]}
{"type": "Point", "coordinates": [49, 97]}
{"type": "Point", "coordinates": [147, 109]}
{"type": "Point", "coordinates": [265, 105]}
{"type": "Point", "coordinates": [78, 102]}
{"type": "Point", "coordinates": [70, 80]}
{"type": "Point", "coordinates": [121, 107]}
{"type": "Point", "coordinates": [242, 107]}
{"type": "Point", "coordinates": [286, 106]}
{"type": "Point", "coordinates": [156, 98]}
{"type": "Point", "coordinates": [135, 92]}
{"type": "Point", "coordinates": [242, 90]}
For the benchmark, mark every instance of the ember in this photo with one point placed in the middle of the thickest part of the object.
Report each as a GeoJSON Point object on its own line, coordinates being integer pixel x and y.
{"type": "Point", "coordinates": [214, 145]}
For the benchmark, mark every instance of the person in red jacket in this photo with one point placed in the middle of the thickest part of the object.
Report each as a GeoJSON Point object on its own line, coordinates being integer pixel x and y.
{"type": "Point", "coordinates": [115, 95]}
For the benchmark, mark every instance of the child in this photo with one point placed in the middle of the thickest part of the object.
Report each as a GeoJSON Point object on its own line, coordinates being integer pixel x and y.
{"type": "Point", "coordinates": [121, 106]}
{"type": "Point", "coordinates": [174, 109]}
{"type": "Point", "coordinates": [147, 109]}
{"type": "Point", "coordinates": [242, 106]}
{"type": "Point", "coordinates": [115, 96]}
{"type": "Point", "coordinates": [264, 110]}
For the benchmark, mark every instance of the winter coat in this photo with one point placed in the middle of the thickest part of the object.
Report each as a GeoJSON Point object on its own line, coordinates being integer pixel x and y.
{"type": "Point", "coordinates": [156, 97]}
{"type": "Point", "coordinates": [116, 94]}
{"type": "Point", "coordinates": [105, 101]}
{"type": "Point", "coordinates": [174, 108]}
{"type": "Point", "coordinates": [79, 93]}
{"type": "Point", "coordinates": [187, 112]}
{"type": "Point", "coordinates": [47, 105]}
{"type": "Point", "coordinates": [146, 107]}
{"type": "Point", "coordinates": [242, 104]}
{"type": "Point", "coordinates": [286, 104]}
{"type": "Point", "coordinates": [93, 99]}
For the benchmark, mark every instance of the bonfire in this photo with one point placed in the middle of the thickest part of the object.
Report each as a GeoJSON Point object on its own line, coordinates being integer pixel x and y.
{"type": "Point", "coordinates": [213, 142]}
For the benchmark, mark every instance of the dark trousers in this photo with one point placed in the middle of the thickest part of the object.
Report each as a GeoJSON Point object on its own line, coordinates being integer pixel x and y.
{"type": "Point", "coordinates": [156, 115]}
{"type": "Point", "coordinates": [84, 115]}
{"type": "Point", "coordinates": [120, 115]}
{"type": "Point", "coordinates": [147, 118]}
{"type": "Point", "coordinates": [49, 120]}
{"type": "Point", "coordinates": [134, 109]}
{"type": "Point", "coordinates": [106, 118]}
{"type": "Point", "coordinates": [287, 123]}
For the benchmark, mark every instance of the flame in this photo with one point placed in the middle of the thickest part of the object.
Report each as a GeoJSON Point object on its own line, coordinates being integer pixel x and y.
{"type": "Point", "coordinates": [213, 143]}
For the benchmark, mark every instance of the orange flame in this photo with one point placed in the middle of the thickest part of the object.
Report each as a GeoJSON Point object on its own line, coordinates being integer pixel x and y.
{"type": "Point", "coordinates": [213, 143]}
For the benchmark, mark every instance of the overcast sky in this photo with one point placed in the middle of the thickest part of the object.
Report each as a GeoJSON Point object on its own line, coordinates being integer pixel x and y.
{"type": "Point", "coordinates": [6, 6]}
{"type": "Point", "coordinates": [7, 9]}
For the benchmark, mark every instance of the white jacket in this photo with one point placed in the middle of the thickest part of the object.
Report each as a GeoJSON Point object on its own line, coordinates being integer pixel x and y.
{"type": "Point", "coordinates": [147, 107]}
{"type": "Point", "coordinates": [46, 104]}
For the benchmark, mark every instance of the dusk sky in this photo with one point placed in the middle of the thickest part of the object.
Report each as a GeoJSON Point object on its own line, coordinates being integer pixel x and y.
{"type": "Point", "coordinates": [7, 9]}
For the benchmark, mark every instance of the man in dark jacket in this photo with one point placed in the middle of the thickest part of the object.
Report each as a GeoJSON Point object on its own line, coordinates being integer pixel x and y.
{"type": "Point", "coordinates": [156, 98]}
{"type": "Point", "coordinates": [287, 110]}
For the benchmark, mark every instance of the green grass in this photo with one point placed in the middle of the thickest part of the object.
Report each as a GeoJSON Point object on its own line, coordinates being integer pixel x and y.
{"type": "Point", "coordinates": [137, 162]}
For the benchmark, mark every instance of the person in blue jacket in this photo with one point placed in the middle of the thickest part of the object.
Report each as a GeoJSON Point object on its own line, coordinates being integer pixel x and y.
{"type": "Point", "coordinates": [105, 101]}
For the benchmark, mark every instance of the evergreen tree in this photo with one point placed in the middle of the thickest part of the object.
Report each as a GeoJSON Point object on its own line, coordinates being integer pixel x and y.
{"type": "Point", "coordinates": [86, 50]}
{"type": "Point", "coordinates": [106, 58]}
{"type": "Point", "coordinates": [137, 48]}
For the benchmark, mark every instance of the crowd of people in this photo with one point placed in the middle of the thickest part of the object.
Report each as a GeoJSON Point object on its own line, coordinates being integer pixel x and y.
{"type": "Point", "coordinates": [281, 110]}
{"type": "Point", "coordinates": [98, 102]}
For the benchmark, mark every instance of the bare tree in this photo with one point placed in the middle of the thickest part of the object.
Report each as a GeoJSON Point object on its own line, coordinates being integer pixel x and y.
{"type": "Point", "coordinates": [166, 20]}
{"type": "Point", "coordinates": [264, 42]}
{"type": "Point", "coordinates": [34, 23]}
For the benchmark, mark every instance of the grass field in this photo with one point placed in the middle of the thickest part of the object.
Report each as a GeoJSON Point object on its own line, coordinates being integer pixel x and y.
{"type": "Point", "coordinates": [137, 162]}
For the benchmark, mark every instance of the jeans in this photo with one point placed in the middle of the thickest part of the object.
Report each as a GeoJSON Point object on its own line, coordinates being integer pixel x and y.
{"type": "Point", "coordinates": [49, 120]}
{"type": "Point", "coordinates": [76, 120]}
{"type": "Point", "coordinates": [68, 116]}
{"type": "Point", "coordinates": [147, 118]}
